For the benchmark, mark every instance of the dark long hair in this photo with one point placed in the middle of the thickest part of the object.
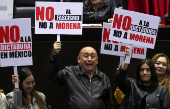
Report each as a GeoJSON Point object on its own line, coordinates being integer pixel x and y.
{"type": "Point", "coordinates": [23, 74]}
{"type": "Point", "coordinates": [154, 78]}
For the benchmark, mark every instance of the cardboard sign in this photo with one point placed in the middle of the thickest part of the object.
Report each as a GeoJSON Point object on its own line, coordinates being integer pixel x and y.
{"type": "Point", "coordinates": [134, 28]}
{"type": "Point", "coordinates": [58, 18]}
{"type": "Point", "coordinates": [111, 47]}
{"type": "Point", "coordinates": [15, 42]}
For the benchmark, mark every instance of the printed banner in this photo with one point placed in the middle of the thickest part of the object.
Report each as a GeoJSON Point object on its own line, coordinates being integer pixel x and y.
{"type": "Point", "coordinates": [58, 18]}
{"type": "Point", "coordinates": [134, 28]}
{"type": "Point", "coordinates": [15, 42]}
{"type": "Point", "coordinates": [111, 47]}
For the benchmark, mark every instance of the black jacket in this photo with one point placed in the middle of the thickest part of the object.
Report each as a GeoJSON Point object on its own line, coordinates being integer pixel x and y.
{"type": "Point", "coordinates": [137, 96]}
{"type": "Point", "coordinates": [83, 92]}
{"type": "Point", "coordinates": [103, 13]}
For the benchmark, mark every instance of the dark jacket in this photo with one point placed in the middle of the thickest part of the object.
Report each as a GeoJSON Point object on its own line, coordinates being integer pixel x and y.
{"type": "Point", "coordinates": [83, 92]}
{"type": "Point", "coordinates": [103, 13]}
{"type": "Point", "coordinates": [155, 97]}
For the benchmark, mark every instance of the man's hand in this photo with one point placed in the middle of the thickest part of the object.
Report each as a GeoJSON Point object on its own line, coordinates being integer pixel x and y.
{"type": "Point", "coordinates": [56, 47]}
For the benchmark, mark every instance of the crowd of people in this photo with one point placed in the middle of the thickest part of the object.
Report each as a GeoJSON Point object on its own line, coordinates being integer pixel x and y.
{"type": "Point", "coordinates": [89, 88]}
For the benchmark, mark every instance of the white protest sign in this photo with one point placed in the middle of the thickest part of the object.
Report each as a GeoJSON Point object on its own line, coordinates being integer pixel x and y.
{"type": "Point", "coordinates": [58, 18]}
{"type": "Point", "coordinates": [134, 28]}
{"type": "Point", "coordinates": [128, 57]}
{"type": "Point", "coordinates": [15, 42]}
{"type": "Point", "coordinates": [122, 58]}
{"type": "Point", "coordinates": [16, 74]}
{"type": "Point", "coordinates": [115, 48]}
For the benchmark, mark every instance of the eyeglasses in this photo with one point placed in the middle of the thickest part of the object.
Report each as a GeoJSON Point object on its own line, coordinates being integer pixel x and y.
{"type": "Point", "coordinates": [147, 69]}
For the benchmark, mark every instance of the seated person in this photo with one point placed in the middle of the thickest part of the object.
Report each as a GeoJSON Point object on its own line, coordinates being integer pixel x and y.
{"type": "Point", "coordinates": [98, 11]}
{"type": "Point", "coordinates": [26, 95]}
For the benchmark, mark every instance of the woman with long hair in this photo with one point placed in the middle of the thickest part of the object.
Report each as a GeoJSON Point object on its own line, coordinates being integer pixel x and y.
{"type": "Point", "coordinates": [162, 66]}
{"type": "Point", "coordinates": [161, 62]}
{"type": "Point", "coordinates": [144, 92]}
{"type": "Point", "coordinates": [26, 95]}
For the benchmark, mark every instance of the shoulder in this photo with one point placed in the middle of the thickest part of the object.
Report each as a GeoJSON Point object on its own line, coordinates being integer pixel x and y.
{"type": "Point", "coordinates": [3, 102]}
{"type": "Point", "coordinates": [15, 92]}
{"type": "Point", "coordinates": [161, 88]}
{"type": "Point", "coordinates": [132, 80]}
{"type": "Point", "coordinates": [10, 94]}
{"type": "Point", "coordinates": [70, 68]}
{"type": "Point", "coordinates": [102, 75]}
{"type": "Point", "coordinates": [41, 94]}
{"type": "Point", "coordinates": [86, 3]}
{"type": "Point", "coordinates": [106, 1]}
{"type": "Point", "coordinates": [3, 97]}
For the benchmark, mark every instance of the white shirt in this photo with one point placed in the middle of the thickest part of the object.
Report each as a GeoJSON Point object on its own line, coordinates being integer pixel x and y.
{"type": "Point", "coordinates": [3, 102]}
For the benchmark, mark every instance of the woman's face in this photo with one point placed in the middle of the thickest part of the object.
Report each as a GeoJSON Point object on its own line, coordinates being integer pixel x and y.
{"type": "Point", "coordinates": [161, 66]}
{"type": "Point", "coordinates": [28, 84]}
{"type": "Point", "coordinates": [145, 74]}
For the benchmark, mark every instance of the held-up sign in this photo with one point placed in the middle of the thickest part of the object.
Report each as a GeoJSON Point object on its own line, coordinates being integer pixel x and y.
{"type": "Point", "coordinates": [15, 42]}
{"type": "Point", "coordinates": [111, 47]}
{"type": "Point", "coordinates": [58, 18]}
{"type": "Point", "coordinates": [134, 28]}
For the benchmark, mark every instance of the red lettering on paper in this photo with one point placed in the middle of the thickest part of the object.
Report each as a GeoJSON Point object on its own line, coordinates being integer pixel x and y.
{"type": "Point", "coordinates": [12, 34]}
{"type": "Point", "coordinates": [4, 34]}
{"type": "Point", "coordinates": [126, 23]}
{"type": "Point", "coordinates": [49, 13]}
{"type": "Point", "coordinates": [106, 36]}
{"type": "Point", "coordinates": [122, 48]}
{"type": "Point", "coordinates": [15, 46]}
{"type": "Point", "coordinates": [117, 21]}
{"type": "Point", "coordinates": [141, 38]}
{"type": "Point", "coordinates": [138, 50]}
{"type": "Point", "coordinates": [40, 13]}
{"type": "Point", "coordinates": [68, 25]}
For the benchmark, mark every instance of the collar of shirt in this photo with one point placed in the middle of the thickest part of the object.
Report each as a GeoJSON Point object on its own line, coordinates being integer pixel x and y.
{"type": "Point", "coordinates": [97, 72]}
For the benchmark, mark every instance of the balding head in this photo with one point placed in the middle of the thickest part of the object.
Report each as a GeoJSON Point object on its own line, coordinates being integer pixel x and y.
{"type": "Point", "coordinates": [88, 59]}
{"type": "Point", "coordinates": [86, 48]}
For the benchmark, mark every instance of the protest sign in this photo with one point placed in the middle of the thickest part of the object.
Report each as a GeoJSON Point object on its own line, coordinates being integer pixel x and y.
{"type": "Point", "coordinates": [15, 42]}
{"type": "Point", "coordinates": [134, 28]}
{"type": "Point", "coordinates": [58, 18]}
{"type": "Point", "coordinates": [111, 47]}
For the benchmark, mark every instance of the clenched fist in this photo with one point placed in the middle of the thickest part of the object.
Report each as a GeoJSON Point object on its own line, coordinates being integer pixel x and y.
{"type": "Point", "coordinates": [56, 47]}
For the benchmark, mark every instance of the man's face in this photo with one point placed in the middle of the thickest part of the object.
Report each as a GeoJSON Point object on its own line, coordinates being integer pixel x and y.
{"type": "Point", "coordinates": [88, 59]}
